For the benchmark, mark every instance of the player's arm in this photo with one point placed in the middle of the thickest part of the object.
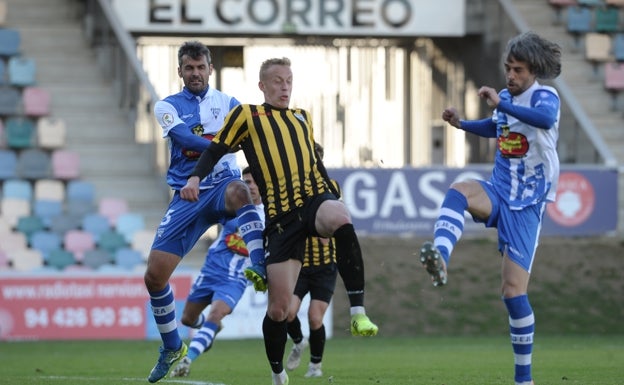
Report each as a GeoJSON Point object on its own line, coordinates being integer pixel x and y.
{"type": "Point", "coordinates": [485, 127]}
{"type": "Point", "coordinates": [209, 157]}
{"type": "Point", "coordinates": [541, 114]}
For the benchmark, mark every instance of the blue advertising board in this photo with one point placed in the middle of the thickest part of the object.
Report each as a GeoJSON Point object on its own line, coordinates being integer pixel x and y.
{"type": "Point", "coordinates": [406, 201]}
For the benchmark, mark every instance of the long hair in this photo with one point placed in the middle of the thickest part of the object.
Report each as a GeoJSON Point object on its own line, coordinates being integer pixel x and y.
{"type": "Point", "coordinates": [542, 56]}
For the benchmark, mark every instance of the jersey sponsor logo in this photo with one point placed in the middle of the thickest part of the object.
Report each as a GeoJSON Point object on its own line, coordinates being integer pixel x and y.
{"type": "Point", "coordinates": [235, 243]}
{"type": "Point", "coordinates": [575, 200]}
{"type": "Point", "coordinates": [512, 144]}
{"type": "Point", "coordinates": [199, 131]}
{"type": "Point", "coordinates": [167, 119]}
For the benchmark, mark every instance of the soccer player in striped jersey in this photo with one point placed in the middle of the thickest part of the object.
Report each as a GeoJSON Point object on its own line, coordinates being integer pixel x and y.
{"type": "Point", "coordinates": [525, 122]}
{"type": "Point", "coordinates": [220, 284]}
{"type": "Point", "coordinates": [189, 120]}
{"type": "Point", "coordinates": [298, 198]}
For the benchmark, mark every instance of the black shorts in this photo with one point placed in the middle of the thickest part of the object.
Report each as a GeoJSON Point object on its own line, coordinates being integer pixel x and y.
{"type": "Point", "coordinates": [319, 281]}
{"type": "Point", "coordinates": [285, 236]}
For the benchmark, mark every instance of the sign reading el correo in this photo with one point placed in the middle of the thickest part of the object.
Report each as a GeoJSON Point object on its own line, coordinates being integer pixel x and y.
{"type": "Point", "coordinates": [299, 17]}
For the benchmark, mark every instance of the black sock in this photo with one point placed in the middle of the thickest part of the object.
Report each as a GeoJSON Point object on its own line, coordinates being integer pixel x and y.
{"type": "Point", "coordinates": [275, 337]}
{"type": "Point", "coordinates": [317, 344]}
{"type": "Point", "coordinates": [350, 263]}
{"type": "Point", "coordinates": [294, 330]}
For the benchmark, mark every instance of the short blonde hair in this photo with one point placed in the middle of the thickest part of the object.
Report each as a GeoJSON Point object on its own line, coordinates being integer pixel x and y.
{"type": "Point", "coordinates": [284, 61]}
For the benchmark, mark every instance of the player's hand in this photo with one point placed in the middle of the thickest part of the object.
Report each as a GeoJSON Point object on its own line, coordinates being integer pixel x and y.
{"type": "Point", "coordinates": [490, 95]}
{"type": "Point", "coordinates": [190, 192]}
{"type": "Point", "coordinates": [451, 116]}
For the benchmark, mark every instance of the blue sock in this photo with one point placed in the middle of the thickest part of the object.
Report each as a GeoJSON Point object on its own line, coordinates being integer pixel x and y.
{"type": "Point", "coordinates": [250, 226]}
{"type": "Point", "coordinates": [450, 224]}
{"type": "Point", "coordinates": [521, 328]}
{"type": "Point", "coordinates": [163, 308]}
{"type": "Point", "coordinates": [202, 340]}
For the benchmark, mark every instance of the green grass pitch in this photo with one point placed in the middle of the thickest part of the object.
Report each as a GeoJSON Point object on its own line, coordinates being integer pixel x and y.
{"type": "Point", "coordinates": [565, 360]}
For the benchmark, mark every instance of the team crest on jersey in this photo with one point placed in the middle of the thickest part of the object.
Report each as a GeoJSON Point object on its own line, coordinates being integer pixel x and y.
{"type": "Point", "coordinates": [215, 112]}
{"type": "Point", "coordinates": [512, 144]}
{"type": "Point", "coordinates": [198, 130]}
{"type": "Point", "coordinates": [299, 116]}
{"type": "Point", "coordinates": [167, 118]}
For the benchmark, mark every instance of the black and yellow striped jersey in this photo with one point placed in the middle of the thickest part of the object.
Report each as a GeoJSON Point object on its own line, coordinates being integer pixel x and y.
{"type": "Point", "coordinates": [279, 147]}
{"type": "Point", "coordinates": [319, 252]}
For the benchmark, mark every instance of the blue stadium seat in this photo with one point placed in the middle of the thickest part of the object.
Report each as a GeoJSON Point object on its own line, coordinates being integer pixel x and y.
{"type": "Point", "coordinates": [10, 42]}
{"type": "Point", "coordinates": [3, 74]}
{"type": "Point", "coordinates": [618, 46]}
{"type": "Point", "coordinates": [128, 224]}
{"type": "Point", "coordinates": [606, 19]}
{"type": "Point", "coordinates": [22, 71]}
{"type": "Point", "coordinates": [128, 258]}
{"type": "Point", "coordinates": [97, 258]}
{"type": "Point", "coordinates": [80, 190]}
{"type": "Point", "coordinates": [579, 22]}
{"type": "Point", "coordinates": [17, 188]}
{"type": "Point", "coordinates": [33, 163]}
{"type": "Point", "coordinates": [96, 224]}
{"type": "Point", "coordinates": [20, 132]}
{"type": "Point", "coordinates": [61, 224]}
{"type": "Point", "coordinates": [111, 241]}
{"type": "Point", "coordinates": [47, 209]}
{"type": "Point", "coordinates": [8, 160]}
{"type": "Point", "coordinates": [60, 259]}
{"type": "Point", "coordinates": [10, 101]}
{"type": "Point", "coordinates": [46, 241]}
{"type": "Point", "coordinates": [29, 225]}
